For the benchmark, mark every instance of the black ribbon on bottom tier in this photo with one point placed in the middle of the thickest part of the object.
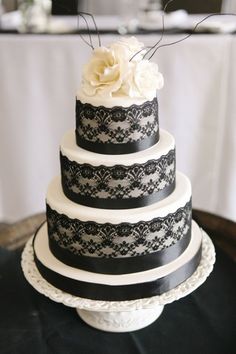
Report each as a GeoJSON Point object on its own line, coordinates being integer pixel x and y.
{"type": "Point", "coordinates": [122, 265]}
{"type": "Point", "coordinates": [115, 203]}
{"type": "Point", "coordinates": [119, 148]}
{"type": "Point", "coordinates": [95, 291]}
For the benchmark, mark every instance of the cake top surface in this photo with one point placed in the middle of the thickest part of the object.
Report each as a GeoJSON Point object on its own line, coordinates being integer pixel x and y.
{"type": "Point", "coordinates": [120, 71]}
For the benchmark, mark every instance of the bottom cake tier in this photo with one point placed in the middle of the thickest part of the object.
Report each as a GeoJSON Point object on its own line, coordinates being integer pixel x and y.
{"type": "Point", "coordinates": [121, 287]}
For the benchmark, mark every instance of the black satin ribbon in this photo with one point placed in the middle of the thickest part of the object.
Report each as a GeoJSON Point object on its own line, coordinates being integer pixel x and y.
{"type": "Point", "coordinates": [127, 203]}
{"type": "Point", "coordinates": [95, 291]}
{"type": "Point", "coordinates": [122, 265]}
{"type": "Point", "coordinates": [117, 149]}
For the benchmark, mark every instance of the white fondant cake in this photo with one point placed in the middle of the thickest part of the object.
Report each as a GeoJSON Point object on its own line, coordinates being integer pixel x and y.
{"type": "Point", "coordinates": [119, 223]}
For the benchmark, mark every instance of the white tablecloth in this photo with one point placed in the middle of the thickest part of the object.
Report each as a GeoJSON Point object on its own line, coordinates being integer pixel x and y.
{"type": "Point", "coordinates": [39, 76]}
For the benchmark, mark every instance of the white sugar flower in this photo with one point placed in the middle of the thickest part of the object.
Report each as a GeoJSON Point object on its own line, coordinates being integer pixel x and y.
{"type": "Point", "coordinates": [130, 46]}
{"type": "Point", "coordinates": [106, 71]}
{"type": "Point", "coordinates": [147, 78]}
{"type": "Point", "coordinates": [111, 71]}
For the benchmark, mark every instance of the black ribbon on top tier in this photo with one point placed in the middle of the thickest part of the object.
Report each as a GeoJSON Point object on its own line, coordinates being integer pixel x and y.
{"type": "Point", "coordinates": [96, 291]}
{"type": "Point", "coordinates": [150, 182]}
{"type": "Point", "coordinates": [117, 130]}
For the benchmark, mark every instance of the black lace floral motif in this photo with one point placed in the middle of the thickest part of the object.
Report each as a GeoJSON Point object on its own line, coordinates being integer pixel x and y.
{"type": "Point", "coordinates": [117, 125]}
{"type": "Point", "coordinates": [119, 181]}
{"type": "Point", "coordinates": [122, 240]}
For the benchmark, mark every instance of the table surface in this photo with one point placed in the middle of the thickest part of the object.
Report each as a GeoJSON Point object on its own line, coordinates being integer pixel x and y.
{"type": "Point", "coordinates": [203, 322]}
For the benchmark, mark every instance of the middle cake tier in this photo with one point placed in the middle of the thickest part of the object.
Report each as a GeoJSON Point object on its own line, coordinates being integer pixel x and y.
{"type": "Point", "coordinates": [119, 241]}
{"type": "Point", "coordinates": [115, 181]}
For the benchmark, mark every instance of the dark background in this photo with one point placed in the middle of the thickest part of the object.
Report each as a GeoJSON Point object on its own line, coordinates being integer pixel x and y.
{"type": "Point", "coordinates": [69, 7]}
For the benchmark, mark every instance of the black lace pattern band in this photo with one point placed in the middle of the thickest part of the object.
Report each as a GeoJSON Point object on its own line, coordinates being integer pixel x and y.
{"type": "Point", "coordinates": [118, 241]}
{"type": "Point", "coordinates": [120, 265]}
{"type": "Point", "coordinates": [118, 186]}
{"type": "Point", "coordinates": [117, 130]}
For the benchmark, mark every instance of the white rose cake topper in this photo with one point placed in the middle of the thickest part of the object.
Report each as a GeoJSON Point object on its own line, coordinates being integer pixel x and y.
{"type": "Point", "coordinates": [124, 68]}
{"type": "Point", "coordinates": [121, 70]}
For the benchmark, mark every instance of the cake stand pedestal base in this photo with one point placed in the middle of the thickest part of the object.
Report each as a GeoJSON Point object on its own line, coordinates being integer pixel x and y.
{"type": "Point", "coordinates": [123, 321]}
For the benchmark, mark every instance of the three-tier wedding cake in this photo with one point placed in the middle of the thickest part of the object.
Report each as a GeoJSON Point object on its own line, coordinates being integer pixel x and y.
{"type": "Point", "coordinates": [119, 224]}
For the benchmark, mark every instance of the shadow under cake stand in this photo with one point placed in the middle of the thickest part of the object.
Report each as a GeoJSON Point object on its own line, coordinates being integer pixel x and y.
{"type": "Point", "coordinates": [120, 316]}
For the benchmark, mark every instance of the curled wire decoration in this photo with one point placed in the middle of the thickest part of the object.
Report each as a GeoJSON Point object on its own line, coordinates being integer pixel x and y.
{"type": "Point", "coordinates": [155, 47]}
{"type": "Point", "coordinates": [83, 16]}
{"type": "Point", "coordinates": [90, 44]}
{"type": "Point", "coordinates": [162, 31]}
{"type": "Point", "coordinates": [190, 34]}
{"type": "Point", "coordinates": [150, 48]}
{"type": "Point", "coordinates": [140, 51]}
{"type": "Point", "coordinates": [147, 49]}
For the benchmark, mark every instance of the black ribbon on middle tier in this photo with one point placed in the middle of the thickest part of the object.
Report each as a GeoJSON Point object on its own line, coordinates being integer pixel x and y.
{"type": "Point", "coordinates": [121, 265]}
{"type": "Point", "coordinates": [115, 203]}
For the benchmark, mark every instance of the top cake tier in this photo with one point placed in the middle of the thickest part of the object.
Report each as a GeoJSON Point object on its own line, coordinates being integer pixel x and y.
{"type": "Point", "coordinates": [118, 129]}
{"type": "Point", "coordinates": [116, 107]}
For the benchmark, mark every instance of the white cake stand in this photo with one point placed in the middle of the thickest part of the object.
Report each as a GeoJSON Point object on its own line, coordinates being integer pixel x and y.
{"type": "Point", "coordinates": [120, 316]}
